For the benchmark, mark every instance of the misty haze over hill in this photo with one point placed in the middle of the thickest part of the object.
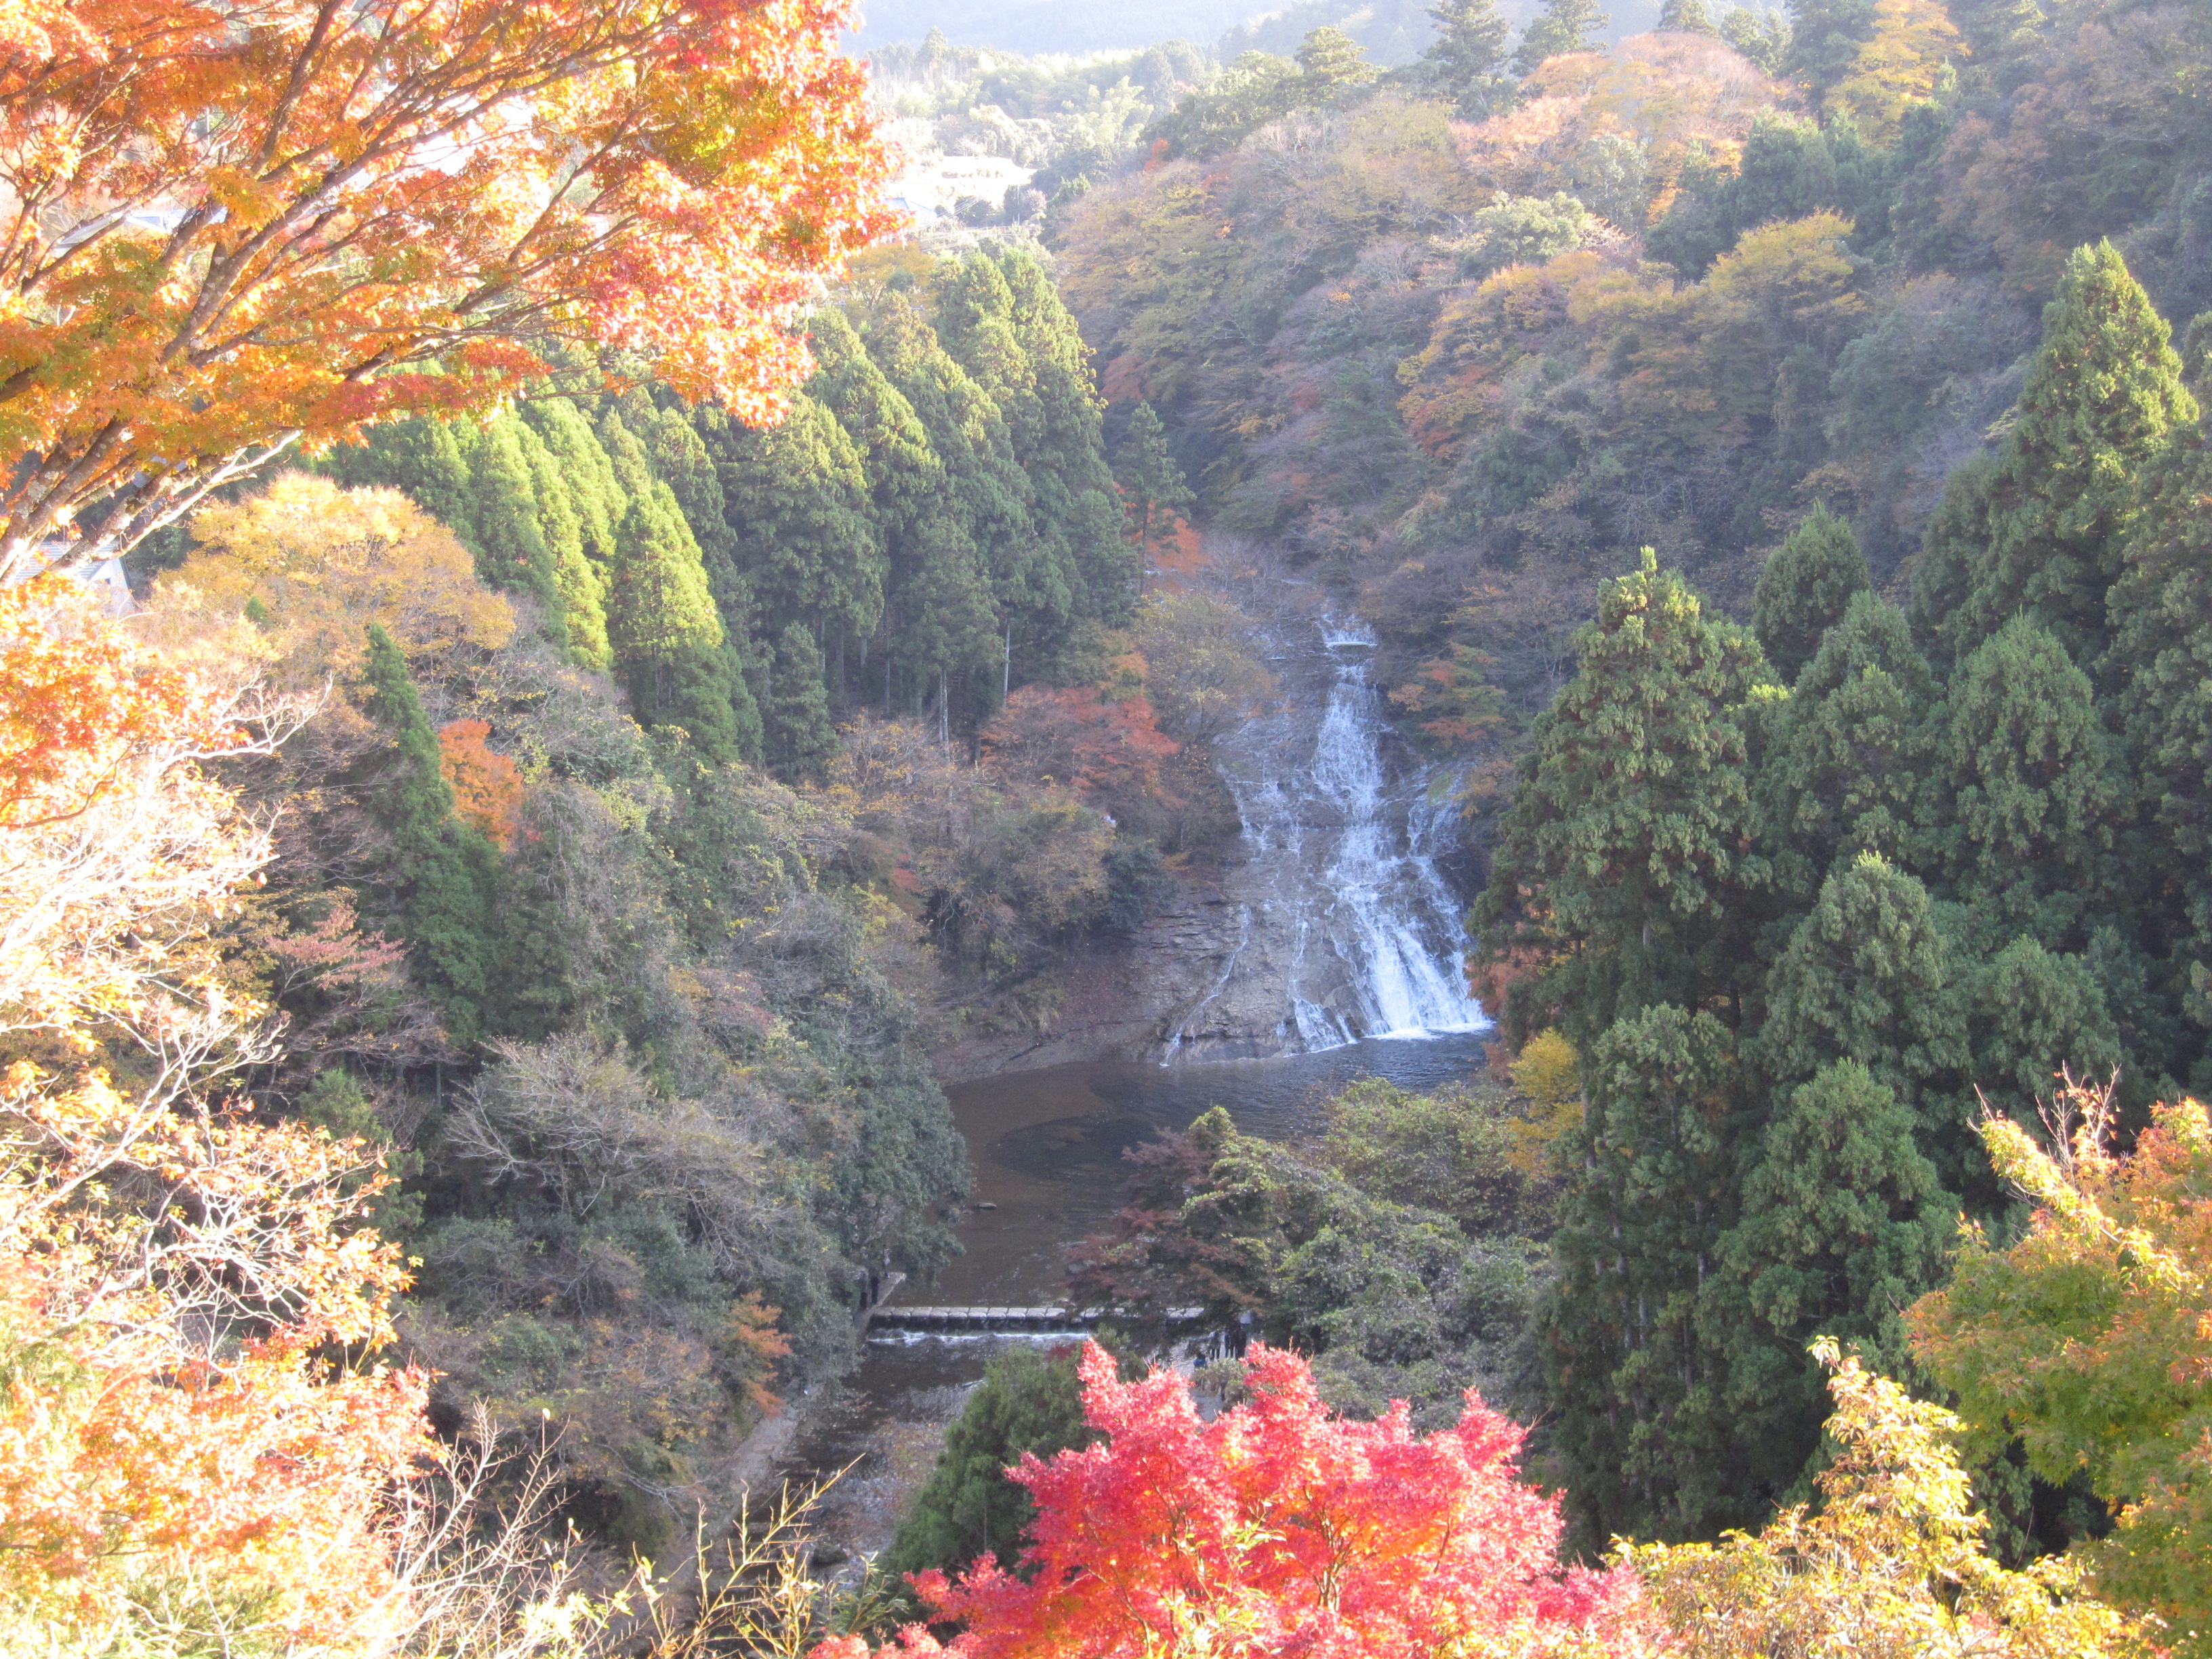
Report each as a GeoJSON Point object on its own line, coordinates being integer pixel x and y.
{"type": "Point", "coordinates": [1040, 26]}
{"type": "Point", "coordinates": [1391, 31]}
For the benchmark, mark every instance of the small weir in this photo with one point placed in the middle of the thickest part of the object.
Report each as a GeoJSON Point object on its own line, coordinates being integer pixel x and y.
{"type": "Point", "coordinates": [1023, 1321]}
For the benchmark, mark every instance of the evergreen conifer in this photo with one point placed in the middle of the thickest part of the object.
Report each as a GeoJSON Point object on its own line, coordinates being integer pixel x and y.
{"type": "Point", "coordinates": [2031, 1012]}
{"type": "Point", "coordinates": [1844, 1224]}
{"type": "Point", "coordinates": [2160, 671]}
{"type": "Point", "coordinates": [1152, 487]}
{"type": "Point", "coordinates": [799, 736]}
{"type": "Point", "coordinates": [2102, 394]}
{"type": "Point", "coordinates": [1626, 861]}
{"type": "Point", "coordinates": [1951, 546]}
{"type": "Point", "coordinates": [666, 636]}
{"type": "Point", "coordinates": [1329, 62]}
{"type": "Point", "coordinates": [1825, 38]}
{"type": "Point", "coordinates": [1866, 977]}
{"type": "Point", "coordinates": [626, 457]}
{"type": "Point", "coordinates": [1638, 1393]}
{"type": "Point", "coordinates": [580, 583]}
{"type": "Point", "coordinates": [1803, 590]}
{"type": "Point", "coordinates": [1066, 461]}
{"type": "Point", "coordinates": [680, 459]}
{"type": "Point", "coordinates": [511, 550]}
{"type": "Point", "coordinates": [1563, 27]}
{"type": "Point", "coordinates": [799, 520]}
{"type": "Point", "coordinates": [2023, 813]}
{"type": "Point", "coordinates": [1852, 749]}
{"type": "Point", "coordinates": [909, 496]}
{"type": "Point", "coordinates": [1028, 1402]}
{"type": "Point", "coordinates": [1467, 59]}
{"type": "Point", "coordinates": [596, 496]}
{"type": "Point", "coordinates": [445, 872]}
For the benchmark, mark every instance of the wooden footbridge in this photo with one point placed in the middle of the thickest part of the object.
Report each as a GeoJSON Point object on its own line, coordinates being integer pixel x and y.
{"type": "Point", "coordinates": [1041, 1321]}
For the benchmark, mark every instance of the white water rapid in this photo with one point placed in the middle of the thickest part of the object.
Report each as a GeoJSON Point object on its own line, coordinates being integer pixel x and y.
{"type": "Point", "coordinates": [1346, 928]}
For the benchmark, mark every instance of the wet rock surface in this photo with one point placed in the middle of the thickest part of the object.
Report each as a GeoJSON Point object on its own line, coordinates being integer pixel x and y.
{"type": "Point", "coordinates": [1328, 920]}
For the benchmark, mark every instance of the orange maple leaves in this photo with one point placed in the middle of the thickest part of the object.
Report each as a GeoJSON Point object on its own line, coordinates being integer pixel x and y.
{"type": "Point", "coordinates": [76, 701]}
{"type": "Point", "coordinates": [173, 1429]}
{"type": "Point", "coordinates": [227, 225]}
{"type": "Point", "coordinates": [487, 787]}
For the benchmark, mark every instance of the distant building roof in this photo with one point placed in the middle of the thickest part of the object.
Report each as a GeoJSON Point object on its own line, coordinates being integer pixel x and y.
{"type": "Point", "coordinates": [109, 574]}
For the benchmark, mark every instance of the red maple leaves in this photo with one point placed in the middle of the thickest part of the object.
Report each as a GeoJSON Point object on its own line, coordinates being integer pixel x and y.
{"type": "Point", "coordinates": [1280, 1528]}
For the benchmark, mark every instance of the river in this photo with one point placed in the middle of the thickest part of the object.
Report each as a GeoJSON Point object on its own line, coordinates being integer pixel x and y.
{"type": "Point", "coordinates": [1340, 960]}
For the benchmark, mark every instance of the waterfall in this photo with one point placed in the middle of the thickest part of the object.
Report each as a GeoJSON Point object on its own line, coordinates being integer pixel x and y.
{"type": "Point", "coordinates": [1347, 927]}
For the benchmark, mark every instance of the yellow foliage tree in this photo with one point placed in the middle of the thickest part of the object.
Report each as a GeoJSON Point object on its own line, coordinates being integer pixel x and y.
{"type": "Point", "coordinates": [1891, 1566]}
{"type": "Point", "coordinates": [2088, 1339]}
{"type": "Point", "coordinates": [1549, 1074]}
{"type": "Point", "coordinates": [314, 564]}
{"type": "Point", "coordinates": [1898, 67]}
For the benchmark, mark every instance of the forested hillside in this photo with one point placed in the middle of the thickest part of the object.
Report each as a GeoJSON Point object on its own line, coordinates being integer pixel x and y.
{"type": "Point", "coordinates": [625, 659]}
{"type": "Point", "coordinates": [583, 905]}
{"type": "Point", "coordinates": [1867, 802]}
{"type": "Point", "coordinates": [1462, 340]}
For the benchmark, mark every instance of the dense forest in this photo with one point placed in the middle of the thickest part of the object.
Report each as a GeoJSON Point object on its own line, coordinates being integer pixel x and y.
{"type": "Point", "coordinates": [628, 657]}
{"type": "Point", "coordinates": [675, 785]}
{"type": "Point", "coordinates": [1865, 804]}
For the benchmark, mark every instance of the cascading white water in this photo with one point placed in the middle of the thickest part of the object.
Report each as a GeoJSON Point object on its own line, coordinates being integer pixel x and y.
{"type": "Point", "coordinates": [1345, 919]}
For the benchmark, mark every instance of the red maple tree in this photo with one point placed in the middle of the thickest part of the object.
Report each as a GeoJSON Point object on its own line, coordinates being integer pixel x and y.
{"type": "Point", "coordinates": [1279, 1528]}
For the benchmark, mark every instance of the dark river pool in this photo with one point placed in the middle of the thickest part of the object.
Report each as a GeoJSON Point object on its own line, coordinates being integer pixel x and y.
{"type": "Point", "coordinates": [1045, 1147]}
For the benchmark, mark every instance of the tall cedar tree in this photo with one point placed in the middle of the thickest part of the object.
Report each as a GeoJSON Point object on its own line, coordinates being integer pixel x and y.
{"type": "Point", "coordinates": [2101, 396]}
{"type": "Point", "coordinates": [990, 491]}
{"type": "Point", "coordinates": [1844, 1221]}
{"type": "Point", "coordinates": [1563, 27]}
{"type": "Point", "coordinates": [1626, 863]}
{"type": "Point", "coordinates": [1641, 1426]}
{"type": "Point", "coordinates": [1038, 589]}
{"type": "Point", "coordinates": [1803, 589]}
{"type": "Point", "coordinates": [946, 622]}
{"type": "Point", "coordinates": [903, 475]}
{"type": "Point", "coordinates": [1868, 977]}
{"type": "Point", "coordinates": [1029, 1404]}
{"type": "Point", "coordinates": [1466, 60]}
{"type": "Point", "coordinates": [1851, 751]}
{"type": "Point", "coordinates": [580, 584]}
{"type": "Point", "coordinates": [1152, 487]}
{"type": "Point", "coordinates": [669, 647]}
{"type": "Point", "coordinates": [798, 734]}
{"type": "Point", "coordinates": [913, 505]}
{"type": "Point", "coordinates": [2023, 811]}
{"type": "Point", "coordinates": [679, 459]}
{"type": "Point", "coordinates": [1950, 548]}
{"type": "Point", "coordinates": [2161, 671]}
{"type": "Point", "coordinates": [797, 519]}
{"type": "Point", "coordinates": [1068, 468]}
{"type": "Point", "coordinates": [445, 872]}
{"type": "Point", "coordinates": [1825, 38]}
{"type": "Point", "coordinates": [511, 548]}
{"type": "Point", "coordinates": [1330, 62]}
{"type": "Point", "coordinates": [595, 490]}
